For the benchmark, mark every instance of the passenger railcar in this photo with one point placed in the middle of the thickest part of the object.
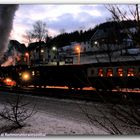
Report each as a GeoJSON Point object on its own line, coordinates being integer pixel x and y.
{"type": "Point", "coordinates": [115, 75]}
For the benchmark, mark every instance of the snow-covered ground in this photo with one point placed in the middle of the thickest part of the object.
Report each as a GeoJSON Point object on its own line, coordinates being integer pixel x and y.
{"type": "Point", "coordinates": [42, 124]}
{"type": "Point", "coordinates": [63, 117]}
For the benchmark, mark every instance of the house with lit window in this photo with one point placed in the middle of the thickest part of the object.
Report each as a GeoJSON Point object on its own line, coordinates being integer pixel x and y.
{"type": "Point", "coordinates": [108, 40]}
{"type": "Point", "coordinates": [41, 54]}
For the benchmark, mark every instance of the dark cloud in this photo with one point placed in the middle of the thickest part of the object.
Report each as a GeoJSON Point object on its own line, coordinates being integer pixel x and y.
{"type": "Point", "coordinates": [65, 21]}
{"type": "Point", "coordinates": [86, 18]}
{"type": "Point", "coordinates": [70, 22]}
{"type": "Point", "coordinates": [62, 17]}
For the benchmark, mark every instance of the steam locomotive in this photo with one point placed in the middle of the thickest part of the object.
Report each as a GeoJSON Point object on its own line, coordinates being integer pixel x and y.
{"type": "Point", "coordinates": [101, 76]}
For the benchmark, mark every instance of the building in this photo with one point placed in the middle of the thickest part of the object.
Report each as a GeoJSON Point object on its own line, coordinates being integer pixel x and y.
{"type": "Point", "coordinates": [108, 40]}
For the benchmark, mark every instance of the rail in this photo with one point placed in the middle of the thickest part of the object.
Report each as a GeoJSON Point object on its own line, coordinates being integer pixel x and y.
{"type": "Point", "coordinates": [86, 95]}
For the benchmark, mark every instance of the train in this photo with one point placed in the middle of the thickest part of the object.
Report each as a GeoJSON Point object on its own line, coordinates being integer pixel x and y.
{"type": "Point", "coordinates": [101, 76]}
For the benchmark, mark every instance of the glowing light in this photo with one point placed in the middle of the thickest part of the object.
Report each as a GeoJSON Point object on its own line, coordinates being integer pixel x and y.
{"type": "Point", "coordinates": [101, 75]}
{"type": "Point", "coordinates": [33, 73]}
{"type": "Point", "coordinates": [26, 54]}
{"type": "Point", "coordinates": [54, 48]}
{"type": "Point", "coordinates": [78, 49]}
{"type": "Point", "coordinates": [121, 74]}
{"type": "Point", "coordinates": [130, 74]}
{"type": "Point", "coordinates": [9, 82]}
{"type": "Point", "coordinates": [100, 72]}
{"type": "Point", "coordinates": [42, 51]}
{"type": "Point", "coordinates": [95, 42]}
{"type": "Point", "coordinates": [25, 76]}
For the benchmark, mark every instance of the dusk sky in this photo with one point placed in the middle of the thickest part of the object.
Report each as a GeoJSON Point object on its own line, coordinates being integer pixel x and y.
{"type": "Point", "coordinates": [58, 17]}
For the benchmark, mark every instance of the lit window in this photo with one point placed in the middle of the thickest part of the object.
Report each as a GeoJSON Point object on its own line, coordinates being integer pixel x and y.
{"type": "Point", "coordinates": [100, 72]}
{"type": "Point", "coordinates": [42, 51]}
{"type": "Point", "coordinates": [33, 73]}
{"type": "Point", "coordinates": [120, 72]}
{"type": "Point", "coordinates": [130, 72]}
{"type": "Point", "coordinates": [109, 72]}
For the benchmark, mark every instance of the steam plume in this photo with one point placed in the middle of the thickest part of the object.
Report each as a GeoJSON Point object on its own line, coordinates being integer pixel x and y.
{"type": "Point", "coordinates": [7, 12]}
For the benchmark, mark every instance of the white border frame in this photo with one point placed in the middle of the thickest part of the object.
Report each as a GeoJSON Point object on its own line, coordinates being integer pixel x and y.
{"type": "Point", "coordinates": [69, 1]}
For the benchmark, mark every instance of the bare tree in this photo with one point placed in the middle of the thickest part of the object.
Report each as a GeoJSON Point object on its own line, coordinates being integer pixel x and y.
{"type": "Point", "coordinates": [17, 112]}
{"type": "Point", "coordinates": [129, 13]}
{"type": "Point", "coordinates": [115, 119]}
{"type": "Point", "coordinates": [110, 43]}
{"type": "Point", "coordinates": [125, 25]}
{"type": "Point", "coordinates": [39, 31]}
{"type": "Point", "coordinates": [107, 42]}
{"type": "Point", "coordinates": [28, 36]}
{"type": "Point", "coordinates": [119, 118]}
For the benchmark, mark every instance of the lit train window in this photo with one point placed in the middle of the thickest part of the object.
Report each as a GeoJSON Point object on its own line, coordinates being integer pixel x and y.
{"type": "Point", "coordinates": [120, 72]}
{"type": "Point", "coordinates": [109, 72]}
{"type": "Point", "coordinates": [100, 72]}
{"type": "Point", "coordinates": [130, 72]}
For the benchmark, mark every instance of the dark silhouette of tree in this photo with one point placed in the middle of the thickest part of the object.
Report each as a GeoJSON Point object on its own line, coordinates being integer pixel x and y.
{"type": "Point", "coordinates": [17, 112]}
{"type": "Point", "coordinates": [131, 14]}
{"type": "Point", "coordinates": [39, 33]}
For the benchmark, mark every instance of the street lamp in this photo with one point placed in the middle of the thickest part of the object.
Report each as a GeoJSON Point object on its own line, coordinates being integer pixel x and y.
{"type": "Point", "coordinates": [78, 50]}
{"type": "Point", "coordinates": [27, 57]}
{"type": "Point", "coordinates": [56, 50]}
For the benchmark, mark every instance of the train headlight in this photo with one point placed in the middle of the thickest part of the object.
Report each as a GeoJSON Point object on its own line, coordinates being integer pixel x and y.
{"type": "Point", "coordinates": [26, 76]}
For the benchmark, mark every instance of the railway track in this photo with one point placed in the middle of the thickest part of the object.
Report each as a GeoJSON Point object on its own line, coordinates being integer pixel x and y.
{"type": "Point", "coordinates": [87, 95]}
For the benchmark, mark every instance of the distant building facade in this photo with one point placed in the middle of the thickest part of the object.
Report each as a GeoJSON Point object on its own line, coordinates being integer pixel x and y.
{"type": "Point", "coordinates": [104, 39]}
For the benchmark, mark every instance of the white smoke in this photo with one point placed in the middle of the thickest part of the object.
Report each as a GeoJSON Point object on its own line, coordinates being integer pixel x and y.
{"type": "Point", "coordinates": [12, 59]}
{"type": "Point", "coordinates": [7, 12]}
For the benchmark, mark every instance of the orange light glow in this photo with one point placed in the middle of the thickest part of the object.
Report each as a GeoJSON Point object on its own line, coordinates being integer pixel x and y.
{"type": "Point", "coordinates": [26, 54]}
{"type": "Point", "coordinates": [100, 72]}
{"type": "Point", "coordinates": [78, 49]}
{"type": "Point", "coordinates": [120, 72]}
{"type": "Point", "coordinates": [9, 82]}
{"type": "Point", "coordinates": [109, 72]}
{"type": "Point", "coordinates": [65, 87]}
{"type": "Point", "coordinates": [59, 87]}
{"type": "Point", "coordinates": [130, 72]}
{"type": "Point", "coordinates": [25, 76]}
